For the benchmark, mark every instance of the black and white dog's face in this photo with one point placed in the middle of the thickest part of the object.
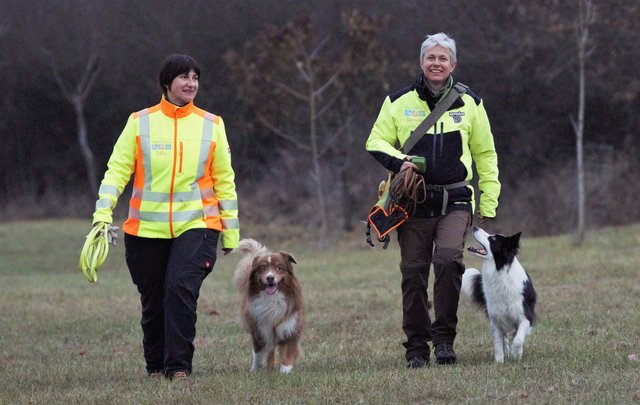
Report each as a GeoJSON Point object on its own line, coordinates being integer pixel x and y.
{"type": "Point", "coordinates": [499, 248]}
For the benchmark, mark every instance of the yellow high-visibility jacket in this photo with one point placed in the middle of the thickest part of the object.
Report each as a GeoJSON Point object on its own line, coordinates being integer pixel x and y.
{"type": "Point", "coordinates": [183, 175]}
{"type": "Point", "coordinates": [461, 137]}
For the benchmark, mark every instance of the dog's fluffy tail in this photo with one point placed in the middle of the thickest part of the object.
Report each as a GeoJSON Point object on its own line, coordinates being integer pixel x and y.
{"type": "Point", "coordinates": [250, 248]}
{"type": "Point", "coordinates": [472, 287]}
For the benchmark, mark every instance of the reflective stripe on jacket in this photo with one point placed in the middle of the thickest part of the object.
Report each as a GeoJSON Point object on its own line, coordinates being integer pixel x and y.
{"type": "Point", "coordinates": [460, 137]}
{"type": "Point", "coordinates": [183, 174]}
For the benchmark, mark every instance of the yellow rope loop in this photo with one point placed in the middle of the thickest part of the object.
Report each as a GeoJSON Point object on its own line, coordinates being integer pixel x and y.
{"type": "Point", "coordinates": [95, 251]}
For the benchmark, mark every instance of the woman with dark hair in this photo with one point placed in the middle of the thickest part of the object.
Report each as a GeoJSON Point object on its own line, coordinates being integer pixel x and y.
{"type": "Point", "coordinates": [183, 200]}
{"type": "Point", "coordinates": [175, 66]}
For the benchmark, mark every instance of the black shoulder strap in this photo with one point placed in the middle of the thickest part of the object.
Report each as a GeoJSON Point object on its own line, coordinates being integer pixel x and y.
{"type": "Point", "coordinates": [456, 91]}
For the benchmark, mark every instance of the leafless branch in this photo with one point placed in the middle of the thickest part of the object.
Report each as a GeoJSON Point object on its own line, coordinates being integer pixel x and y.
{"type": "Point", "coordinates": [303, 73]}
{"type": "Point", "coordinates": [58, 76]}
{"type": "Point", "coordinates": [90, 73]}
{"type": "Point", "coordinates": [318, 47]}
{"type": "Point", "coordinates": [326, 106]}
{"type": "Point", "coordinates": [328, 83]}
{"type": "Point", "coordinates": [331, 142]}
{"type": "Point", "coordinates": [289, 90]}
{"type": "Point", "coordinates": [574, 124]}
{"type": "Point", "coordinates": [282, 134]}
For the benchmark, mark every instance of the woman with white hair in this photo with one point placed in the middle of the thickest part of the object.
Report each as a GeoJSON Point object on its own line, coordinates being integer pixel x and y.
{"type": "Point", "coordinates": [436, 231]}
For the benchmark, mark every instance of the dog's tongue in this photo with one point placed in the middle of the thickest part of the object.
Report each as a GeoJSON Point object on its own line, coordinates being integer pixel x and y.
{"type": "Point", "coordinates": [480, 251]}
{"type": "Point", "coordinates": [271, 289]}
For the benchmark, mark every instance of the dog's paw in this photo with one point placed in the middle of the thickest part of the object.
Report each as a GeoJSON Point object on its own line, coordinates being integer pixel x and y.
{"type": "Point", "coordinates": [258, 362]}
{"type": "Point", "coordinates": [516, 348]}
{"type": "Point", "coordinates": [286, 369]}
{"type": "Point", "coordinates": [516, 352]}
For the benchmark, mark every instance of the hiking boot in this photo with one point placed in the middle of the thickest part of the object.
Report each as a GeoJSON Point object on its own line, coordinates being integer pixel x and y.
{"type": "Point", "coordinates": [445, 354]}
{"type": "Point", "coordinates": [179, 375]}
{"type": "Point", "coordinates": [417, 362]}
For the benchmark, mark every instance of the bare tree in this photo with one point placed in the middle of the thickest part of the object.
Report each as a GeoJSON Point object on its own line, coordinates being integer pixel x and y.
{"type": "Point", "coordinates": [331, 86]}
{"type": "Point", "coordinates": [288, 65]}
{"type": "Point", "coordinates": [77, 94]}
{"type": "Point", "coordinates": [312, 96]}
{"type": "Point", "coordinates": [365, 73]}
{"type": "Point", "coordinates": [73, 56]}
{"type": "Point", "coordinates": [585, 19]}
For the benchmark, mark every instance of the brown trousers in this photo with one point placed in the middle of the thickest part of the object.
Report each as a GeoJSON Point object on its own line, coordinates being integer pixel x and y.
{"type": "Point", "coordinates": [425, 241]}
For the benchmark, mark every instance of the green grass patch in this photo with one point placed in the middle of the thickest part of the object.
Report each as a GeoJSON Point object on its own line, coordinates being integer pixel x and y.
{"type": "Point", "coordinates": [63, 340]}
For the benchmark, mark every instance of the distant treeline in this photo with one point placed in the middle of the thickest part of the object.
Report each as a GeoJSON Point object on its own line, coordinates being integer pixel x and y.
{"type": "Point", "coordinates": [299, 84]}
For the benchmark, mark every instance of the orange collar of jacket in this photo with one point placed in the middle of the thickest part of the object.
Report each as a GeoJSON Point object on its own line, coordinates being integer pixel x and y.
{"type": "Point", "coordinates": [173, 111]}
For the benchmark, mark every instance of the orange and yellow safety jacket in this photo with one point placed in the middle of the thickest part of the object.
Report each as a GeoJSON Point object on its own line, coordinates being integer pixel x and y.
{"type": "Point", "coordinates": [183, 175]}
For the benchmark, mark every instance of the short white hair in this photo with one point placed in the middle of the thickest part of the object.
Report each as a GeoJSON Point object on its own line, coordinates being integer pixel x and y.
{"type": "Point", "coordinates": [439, 39]}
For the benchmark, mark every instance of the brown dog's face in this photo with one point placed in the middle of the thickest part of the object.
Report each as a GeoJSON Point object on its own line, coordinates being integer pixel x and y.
{"type": "Point", "coordinates": [269, 271]}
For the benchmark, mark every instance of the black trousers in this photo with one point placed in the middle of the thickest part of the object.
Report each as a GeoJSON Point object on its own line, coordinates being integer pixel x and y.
{"type": "Point", "coordinates": [168, 274]}
{"type": "Point", "coordinates": [425, 241]}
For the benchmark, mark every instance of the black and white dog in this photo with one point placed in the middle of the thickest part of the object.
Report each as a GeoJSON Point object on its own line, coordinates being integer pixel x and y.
{"type": "Point", "coordinates": [503, 289]}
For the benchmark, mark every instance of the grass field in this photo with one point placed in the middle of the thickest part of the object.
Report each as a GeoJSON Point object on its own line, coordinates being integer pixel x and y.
{"type": "Point", "coordinates": [63, 340]}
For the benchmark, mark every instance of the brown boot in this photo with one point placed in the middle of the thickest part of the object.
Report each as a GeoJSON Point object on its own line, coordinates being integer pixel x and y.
{"type": "Point", "coordinates": [179, 375]}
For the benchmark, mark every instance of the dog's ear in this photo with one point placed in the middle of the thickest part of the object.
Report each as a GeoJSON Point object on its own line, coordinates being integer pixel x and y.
{"type": "Point", "coordinates": [516, 238]}
{"type": "Point", "coordinates": [289, 257]}
{"type": "Point", "coordinates": [254, 263]}
{"type": "Point", "coordinates": [514, 242]}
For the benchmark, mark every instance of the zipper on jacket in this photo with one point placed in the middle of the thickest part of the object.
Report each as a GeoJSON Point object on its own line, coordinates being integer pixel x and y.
{"type": "Point", "coordinates": [173, 172]}
{"type": "Point", "coordinates": [434, 144]}
{"type": "Point", "coordinates": [181, 154]}
{"type": "Point", "coordinates": [441, 137]}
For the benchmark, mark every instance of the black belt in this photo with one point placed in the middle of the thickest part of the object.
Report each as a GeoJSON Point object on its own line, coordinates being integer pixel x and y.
{"type": "Point", "coordinates": [445, 193]}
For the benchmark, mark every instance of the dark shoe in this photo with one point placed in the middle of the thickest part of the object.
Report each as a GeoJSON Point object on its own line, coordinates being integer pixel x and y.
{"type": "Point", "coordinates": [417, 362]}
{"type": "Point", "coordinates": [445, 354]}
{"type": "Point", "coordinates": [179, 375]}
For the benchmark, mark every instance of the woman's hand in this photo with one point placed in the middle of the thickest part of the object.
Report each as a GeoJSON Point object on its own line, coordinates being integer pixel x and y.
{"type": "Point", "coordinates": [407, 164]}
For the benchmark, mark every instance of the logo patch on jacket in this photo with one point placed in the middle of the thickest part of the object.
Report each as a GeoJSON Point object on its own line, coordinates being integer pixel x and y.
{"type": "Point", "coordinates": [457, 116]}
{"type": "Point", "coordinates": [161, 146]}
{"type": "Point", "coordinates": [415, 113]}
{"type": "Point", "coordinates": [161, 149]}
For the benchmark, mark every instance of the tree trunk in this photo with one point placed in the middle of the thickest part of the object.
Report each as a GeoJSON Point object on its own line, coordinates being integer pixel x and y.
{"type": "Point", "coordinates": [317, 167]}
{"type": "Point", "coordinates": [585, 17]}
{"type": "Point", "coordinates": [85, 149]}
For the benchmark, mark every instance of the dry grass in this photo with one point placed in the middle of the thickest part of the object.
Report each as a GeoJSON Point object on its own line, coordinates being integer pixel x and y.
{"type": "Point", "coordinates": [65, 341]}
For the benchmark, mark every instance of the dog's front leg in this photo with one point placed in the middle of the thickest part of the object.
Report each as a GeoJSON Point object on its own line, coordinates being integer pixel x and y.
{"type": "Point", "coordinates": [271, 359]}
{"type": "Point", "coordinates": [506, 345]}
{"type": "Point", "coordinates": [259, 360]}
{"type": "Point", "coordinates": [498, 343]}
{"type": "Point", "coordinates": [289, 352]}
{"type": "Point", "coordinates": [518, 340]}
{"type": "Point", "coordinates": [261, 350]}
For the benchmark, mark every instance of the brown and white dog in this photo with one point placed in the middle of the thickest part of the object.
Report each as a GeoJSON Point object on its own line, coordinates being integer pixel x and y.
{"type": "Point", "coordinates": [272, 304]}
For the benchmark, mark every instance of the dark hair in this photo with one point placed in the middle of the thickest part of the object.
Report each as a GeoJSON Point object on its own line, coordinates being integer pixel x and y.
{"type": "Point", "coordinates": [175, 65]}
